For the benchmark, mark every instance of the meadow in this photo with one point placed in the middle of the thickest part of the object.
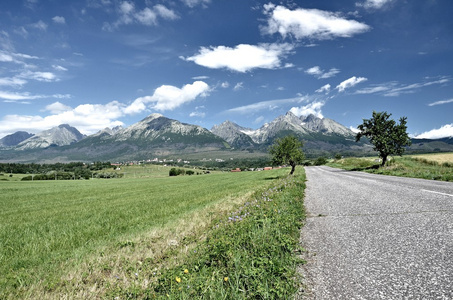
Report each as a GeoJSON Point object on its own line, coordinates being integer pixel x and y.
{"type": "Point", "coordinates": [437, 166]}
{"type": "Point", "coordinates": [126, 237]}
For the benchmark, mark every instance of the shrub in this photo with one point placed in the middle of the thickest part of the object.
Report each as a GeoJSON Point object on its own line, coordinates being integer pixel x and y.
{"type": "Point", "coordinates": [176, 172]}
{"type": "Point", "coordinates": [320, 161]}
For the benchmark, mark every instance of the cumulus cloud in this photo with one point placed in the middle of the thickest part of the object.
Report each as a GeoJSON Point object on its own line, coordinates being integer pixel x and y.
{"type": "Point", "coordinates": [313, 108]}
{"type": "Point", "coordinates": [243, 57]}
{"type": "Point", "coordinates": [168, 97]}
{"type": "Point", "coordinates": [88, 118]}
{"type": "Point", "coordinates": [312, 24]}
{"type": "Point", "coordinates": [321, 74]}
{"type": "Point", "coordinates": [348, 83]}
{"type": "Point", "coordinates": [442, 132]}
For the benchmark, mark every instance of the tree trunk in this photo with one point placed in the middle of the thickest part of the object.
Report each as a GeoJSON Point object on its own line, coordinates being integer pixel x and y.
{"type": "Point", "coordinates": [293, 167]}
{"type": "Point", "coordinates": [384, 160]}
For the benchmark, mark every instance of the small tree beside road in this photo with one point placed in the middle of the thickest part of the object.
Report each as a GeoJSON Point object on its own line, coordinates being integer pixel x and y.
{"type": "Point", "coordinates": [387, 137]}
{"type": "Point", "coordinates": [287, 151]}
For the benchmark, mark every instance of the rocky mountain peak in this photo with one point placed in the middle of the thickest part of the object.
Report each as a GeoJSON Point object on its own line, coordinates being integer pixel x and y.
{"type": "Point", "coordinates": [61, 135]}
{"type": "Point", "coordinates": [14, 139]}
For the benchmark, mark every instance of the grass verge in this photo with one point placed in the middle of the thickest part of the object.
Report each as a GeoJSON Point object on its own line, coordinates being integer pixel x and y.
{"type": "Point", "coordinates": [250, 253]}
{"type": "Point", "coordinates": [405, 166]}
{"type": "Point", "coordinates": [122, 237]}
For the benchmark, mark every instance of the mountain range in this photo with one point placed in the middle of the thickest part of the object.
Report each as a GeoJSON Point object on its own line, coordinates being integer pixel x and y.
{"type": "Point", "coordinates": [158, 136]}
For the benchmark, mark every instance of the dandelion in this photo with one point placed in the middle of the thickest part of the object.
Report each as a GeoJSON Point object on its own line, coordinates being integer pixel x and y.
{"type": "Point", "coordinates": [186, 271]}
{"type": "Point", "coordinates": [178, 279]}
{"type": "Point", "coordinates": [225, 279]}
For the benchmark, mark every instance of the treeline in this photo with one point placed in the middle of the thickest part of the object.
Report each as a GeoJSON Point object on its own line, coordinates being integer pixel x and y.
{"type": "Point", "coordinates": [73, 167]}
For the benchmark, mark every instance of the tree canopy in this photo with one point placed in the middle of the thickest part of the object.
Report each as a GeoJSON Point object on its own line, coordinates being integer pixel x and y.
{"type": "Point", "coordinates": [387, 137]}
{"type": "Point", "coordinates": [287, 150]}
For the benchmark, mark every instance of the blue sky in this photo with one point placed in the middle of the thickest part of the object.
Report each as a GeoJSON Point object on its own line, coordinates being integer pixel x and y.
{"type": "Point", "coordinates": [102, 63]}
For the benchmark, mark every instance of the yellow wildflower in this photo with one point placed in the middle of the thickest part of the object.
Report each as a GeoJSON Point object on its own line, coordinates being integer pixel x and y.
{"type": "Point", "coordinates": [225, 279]}
{"type": "Point", "coordinates": [178, 279]}
{"type": "Point", "coordinates": [186, 271]}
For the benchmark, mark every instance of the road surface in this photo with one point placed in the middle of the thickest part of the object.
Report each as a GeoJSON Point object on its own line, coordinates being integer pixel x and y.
{"type": "Point", "coordinates": [377, 237]}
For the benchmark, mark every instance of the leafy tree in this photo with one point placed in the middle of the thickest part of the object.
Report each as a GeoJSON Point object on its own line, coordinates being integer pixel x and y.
{"type": "Point", "coordinates": [287, 150]}
{"type": "Point", "coordinates": [385, 134]}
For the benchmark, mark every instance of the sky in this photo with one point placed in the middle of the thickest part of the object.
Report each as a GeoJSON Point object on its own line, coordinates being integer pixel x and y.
{"type": "Point", "coordinates": [102, 63]}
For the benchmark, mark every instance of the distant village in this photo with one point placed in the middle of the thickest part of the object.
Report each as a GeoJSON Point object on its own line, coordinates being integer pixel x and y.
{"type": "Point", "coordinates": [170, 162]}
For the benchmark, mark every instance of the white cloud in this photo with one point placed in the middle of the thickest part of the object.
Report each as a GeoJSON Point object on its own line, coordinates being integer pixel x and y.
{"type": "Point", "coordinates": [238, 86]}
{"type": "Point", "coordinates": [5, 57]}
{"type": "Point", "coordinates": [225, 84]}
{"type": "Point", "coordinates": [376, 4]}
{"type": "Point", "coordinates": [373, 89]}
{"type": "Point", "coordinates": [193, 3]}
{"type": "Point", "coordinates": [320, 74]}
{"type": "Point", "coordinates": [265, 105]}
{"type": "Point", "coordinates": [348, 83]}
{"type": "Point", "coordinates": [87, 118]}
{"type": "Point", "coordinates": [354, 129]}
{"type": "Point", "coordinates": [9, 96]}
{"type": "Point", "coordinates": [313, 108]}
{"type": "Point", "coordinates": [59, 20]}
{"type": "Point", "coordinates": [197, 114]}
{"type": "Point", "coordinates": [441, 102]}
{"type": "Point", "coordinates": [165, 13]}
{"type": "Point", "coordinates": [59, 68]}
{"type": "Point", "coordinates": [39, 76]}
{"type": "Point", "coordinates": [57, 107]}
{"type": "Point", "coordinates": [200, 77]}
{"type": "Point", "coordinates": [309, 23]}
{"type": "Point", "coordinates": [148, 16]}
{"type": "Point", "coordinates": [394, 89]}
{"type": "Point", "coordinates": [444, 131]}
{"type": "Point", "coordinates": [167, 97]}
{"type": "Point", "coordinates": [12, 81]}
{"type": "Point", "coordinates": [331, 73]}
{"type": "Point", "coordinates": [40, 25]}
{"type": "Point", "coordinates": [324, 89]}
{"type": "Point", "coordinates": [316, 71]}
{"type": "Point", "coordinates": [243, 57]}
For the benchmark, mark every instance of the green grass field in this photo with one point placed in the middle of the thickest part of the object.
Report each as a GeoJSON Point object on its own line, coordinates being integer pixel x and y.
{"type": "Point", "coordinates": [79, 238]}
{"type": "Point", "coordinates": [432, 166]}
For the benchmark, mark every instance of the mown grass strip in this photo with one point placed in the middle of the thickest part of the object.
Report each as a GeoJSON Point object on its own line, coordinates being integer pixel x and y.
{"type": "Point", "coordinates": [248, 254]}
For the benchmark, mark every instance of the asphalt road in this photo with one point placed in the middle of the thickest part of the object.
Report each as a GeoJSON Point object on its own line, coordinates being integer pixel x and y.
{"type": "Point", "coordinates": [377, 237]}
